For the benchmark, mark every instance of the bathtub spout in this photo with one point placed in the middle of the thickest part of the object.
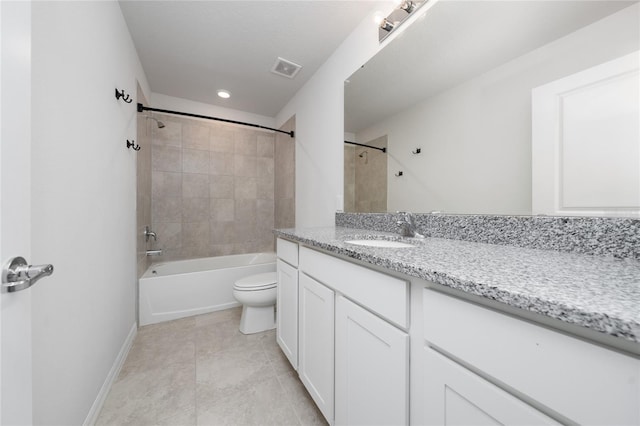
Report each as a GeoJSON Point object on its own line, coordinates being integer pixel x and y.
{"type": "Point", "coordinates": [154, 252]}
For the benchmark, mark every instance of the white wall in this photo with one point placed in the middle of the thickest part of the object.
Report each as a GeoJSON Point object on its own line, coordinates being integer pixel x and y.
{"type": "Point", "coordinates": [476, 138]}
{"type": "Point", "coordinates": [161, 101]}
{"type": "Point", "coordinates": [319, 111]}
{"type": "Point", "coordinates": [84, 212]}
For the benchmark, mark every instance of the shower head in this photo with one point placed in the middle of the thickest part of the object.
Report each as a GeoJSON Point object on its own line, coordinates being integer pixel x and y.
{"type": "Point", "coordinates": [362, 154]}
{"type": "Point", "coordinates": [160, 123]}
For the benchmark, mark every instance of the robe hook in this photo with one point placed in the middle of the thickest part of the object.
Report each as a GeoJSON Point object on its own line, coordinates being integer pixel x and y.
{"type": "Point", "coordinates": [399, 174]}
{"type": "Point", "coordinates": [125, 97]}
{"type": "Point", "coordinates": [417, 151]}
{"type": "Point", "coordinates": [132, 144]}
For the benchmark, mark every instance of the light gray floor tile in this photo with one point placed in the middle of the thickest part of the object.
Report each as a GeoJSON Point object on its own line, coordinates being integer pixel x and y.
{"type": "Point", "coordinates": [202, 370]}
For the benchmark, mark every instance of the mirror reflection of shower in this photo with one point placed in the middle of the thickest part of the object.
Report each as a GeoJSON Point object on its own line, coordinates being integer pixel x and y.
{"type": "Point", "coordinates": [365, 177]}
{"type": "Point", "coordinates": [158, 122]}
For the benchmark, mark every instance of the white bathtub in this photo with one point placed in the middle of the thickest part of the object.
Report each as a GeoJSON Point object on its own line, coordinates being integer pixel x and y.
{"type": "Point", "coordinates": [183, 288]}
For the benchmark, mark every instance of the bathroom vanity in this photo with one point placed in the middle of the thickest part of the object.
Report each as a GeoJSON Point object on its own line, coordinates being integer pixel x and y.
{"type": "Point", "coordinates": [456, 332]}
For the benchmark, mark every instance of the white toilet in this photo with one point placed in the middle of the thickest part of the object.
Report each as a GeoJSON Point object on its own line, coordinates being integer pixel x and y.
{"type": "Point", "coordinates": [257, 293]}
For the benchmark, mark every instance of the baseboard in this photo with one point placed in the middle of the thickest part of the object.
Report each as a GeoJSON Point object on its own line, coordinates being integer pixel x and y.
{"type": "Point", "coordinates": [111, 377]}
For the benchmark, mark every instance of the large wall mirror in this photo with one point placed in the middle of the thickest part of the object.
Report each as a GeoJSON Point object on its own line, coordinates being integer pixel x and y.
{"type": "Point", "coordinates": [458, 85]}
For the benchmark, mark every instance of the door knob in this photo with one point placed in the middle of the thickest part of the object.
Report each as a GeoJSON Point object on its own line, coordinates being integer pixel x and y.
{"type": "Point", "coordinates": [18, 275]}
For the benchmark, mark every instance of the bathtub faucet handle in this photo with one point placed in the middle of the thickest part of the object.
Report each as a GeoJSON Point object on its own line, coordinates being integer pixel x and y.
{"type": "Point", "coordinates": [149, 233]}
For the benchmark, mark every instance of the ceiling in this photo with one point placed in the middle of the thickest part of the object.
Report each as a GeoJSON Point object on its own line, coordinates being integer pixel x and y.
{"type": "Point", "coordinates": [455, 41]}
{"type": "Point", "coordinates": [190, 49]}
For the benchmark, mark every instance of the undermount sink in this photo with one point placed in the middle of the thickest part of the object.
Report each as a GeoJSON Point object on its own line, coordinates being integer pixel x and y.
{"type": "Point", "coordinates": [380, 243]}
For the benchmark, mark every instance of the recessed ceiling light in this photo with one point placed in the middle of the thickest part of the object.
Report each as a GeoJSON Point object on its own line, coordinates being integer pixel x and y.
{"type": "Point", "coordinates": [224, 94]}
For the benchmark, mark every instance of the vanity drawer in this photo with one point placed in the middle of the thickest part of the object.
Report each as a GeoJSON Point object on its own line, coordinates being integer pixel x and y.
{"type": "Point", "coordinates": [383, 294]}
{"type": "Point", "coordinates": [287, 251]}
{"type": "Point", "coordinates": [584, 382]}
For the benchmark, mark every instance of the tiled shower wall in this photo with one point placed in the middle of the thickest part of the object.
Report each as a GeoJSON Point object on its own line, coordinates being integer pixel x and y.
{"type": "Point", "coordinates": [212, 188]}
{"type": "Point", "coordinates": [365, 178]}
{"type": "Point", "coordinates": [143, 182]}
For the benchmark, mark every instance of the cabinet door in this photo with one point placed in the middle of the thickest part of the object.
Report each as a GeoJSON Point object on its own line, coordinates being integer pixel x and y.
{"type": "Point", "coordinates": [316, 342]}
{"type": "Point", "coordinates": [287, 311]}
{"type": "Point", "coordinates": [372, 368]}
{"type": "Point", "coordinates": [456, 396]}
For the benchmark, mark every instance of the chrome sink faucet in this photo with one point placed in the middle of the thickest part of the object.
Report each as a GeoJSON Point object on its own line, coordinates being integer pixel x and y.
{"type": "Point", "coordinates": [407, 225]}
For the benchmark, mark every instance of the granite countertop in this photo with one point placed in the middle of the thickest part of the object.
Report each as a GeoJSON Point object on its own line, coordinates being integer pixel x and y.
{"type": "Point", "coordinates": [600, 293]}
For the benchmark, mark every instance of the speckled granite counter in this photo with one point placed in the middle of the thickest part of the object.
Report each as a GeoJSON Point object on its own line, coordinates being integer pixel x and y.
{"type": "Point", "coordinates": [600, 293]}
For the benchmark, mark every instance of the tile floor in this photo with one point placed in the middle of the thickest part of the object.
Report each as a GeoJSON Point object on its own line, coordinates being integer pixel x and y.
{"type": "Point", "coordinates": [202, 371]}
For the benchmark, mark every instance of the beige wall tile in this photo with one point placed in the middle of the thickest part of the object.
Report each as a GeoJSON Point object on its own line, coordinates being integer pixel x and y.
{"type": "Point", "coordinates": [266, 145]}
{"type": "Point", "coordinates": [195, 136]}
{"type": "Point", "coordinates": [195, 185]}
{"type": "Point", "coordinates": [166, 159]}
{"type": "Point", "coordinates": [222, 209]}
{"type": "Point", "coordinates": [169, 235]}
{"type": "Point", "coordinates": [222, 249]}
{"type": "Point", "coordinates": [245, 187]}
{"type": "Point", "coordinates": [195, 209]}
{"type": "Point", "coordinates": [221, 186]}
{"type": "Point", "coordinates": [195, 161]}
{"type": "Point", "coordinates": [222, 232]}
{"type": "Point", "coordinates": [195, 234]}
{"type": "Point", "coordinates": [222, 140]}
{"type": "Point", "coordinates": [265, 189]}
{"type": "Point", "coordinates": [166, 184]}
{"type": "Point", "coordinates": [285, 213]}
{"type": "Point", "coordinates": [245, 165]}
{"type": "Point", "coordinates": [221, 164]}
{"type": "Point", "coordinates": [264, 168]}
{"type": "Point", "coordinates": [166, 209]}
{"type": "Point", "coordinates": [246, 142]}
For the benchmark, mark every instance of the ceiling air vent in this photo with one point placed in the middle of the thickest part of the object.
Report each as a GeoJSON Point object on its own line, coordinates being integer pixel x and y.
{"type": "Point", "coordinates": [285, 68]}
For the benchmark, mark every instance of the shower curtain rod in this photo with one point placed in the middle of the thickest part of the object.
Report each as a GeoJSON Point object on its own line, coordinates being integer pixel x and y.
{"type": "Point", "coordinates": [142, 108]}
{"type": "Point", "coordinates": [367, 146]}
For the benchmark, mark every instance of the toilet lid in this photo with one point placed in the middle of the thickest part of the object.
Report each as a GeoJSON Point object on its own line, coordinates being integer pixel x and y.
{"type": "Point", "coordinates": [257, 281]}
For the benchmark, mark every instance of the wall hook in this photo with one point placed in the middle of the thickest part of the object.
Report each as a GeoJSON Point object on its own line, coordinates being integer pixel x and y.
{"type": "Point", "coordinates": [399, 174]}
{"type": "Point", "coordinates": [132, 144]}
{"type": "Point", "coordinates": [417, 151]}
{"type": "Point", "coordinates": [125, 97]}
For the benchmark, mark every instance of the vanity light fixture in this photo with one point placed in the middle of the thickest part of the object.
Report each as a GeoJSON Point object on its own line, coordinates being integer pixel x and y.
{"type": "Point", "coordinates": [224, 94]}
{"type": "Point", "coordinates": [386, 25]}
{"type": "Point", "coordinates": [403, 10]}
{"type": "Point", "coordinates": [408, 6]}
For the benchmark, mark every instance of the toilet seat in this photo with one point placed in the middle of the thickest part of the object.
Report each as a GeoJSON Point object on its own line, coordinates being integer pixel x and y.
{"type": "Point", "coordinates": [256, 282]}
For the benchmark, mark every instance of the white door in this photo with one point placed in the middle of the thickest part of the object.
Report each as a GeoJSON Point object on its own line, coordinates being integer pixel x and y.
{"type": "Point", "coordinates": [371, 369]}
{"type": "Point", "coordinates": [15, 210]}
{"type": "Point", "coordinates": [586, 142]}
{"type": "Point", "coordinates": [315, 350]}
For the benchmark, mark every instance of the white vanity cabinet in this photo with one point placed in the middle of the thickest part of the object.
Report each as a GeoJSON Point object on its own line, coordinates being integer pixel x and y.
{"type": "Point", "coordinates": [287, 300]}
{"type": "Point", "coordinates": [316, 342]}
{"type": "Point", "coordinates": [481, 366]}
{"type": "Point", "coordinates": [372, 368]}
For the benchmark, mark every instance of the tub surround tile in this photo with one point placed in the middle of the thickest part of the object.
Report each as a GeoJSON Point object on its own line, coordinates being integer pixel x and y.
{"type": "Point", "coordinates": [222, 140]}
{"type": "Point", "coordinates": [192, 233]}
{"type": "Point", "coordinates": [266, 145]}
{"type": "Point", "coordinates": [195, 161]}
{"type": "Point", "coordinates": [169, 236]}
{"type": "Point", "coordinates": [195, 185]}
{"type": "Point", "coordinates": [222, 209]}
{"type": "Point", "coordinates": [166, 159]}
{"type": "Point", "coordinates": [221, 164]}
{"type": "Point", "coordinates": [221, 186]}
{"type": "Point", "coordinates": [245, 165]}
{"type": "Point", "coordinates": [245, 188]}
{"type": "Point", "coordinates": [222, 232]}
{"type": "Point", "coordinates": [170, 134]}
{"type": "Point", "coordinates": [195, 136]}
{"type": "Point", "coordinates": [166, 184]}
{"type": "Point", "coordinates": [601, 293]}
{"type": "Point", "coordinates": [618, 237]}
{"type": "Point", "coordinates": [246, 143]}
{"type": "Point", "coordinates": [166, 209]}
{"type": "Point", "coordinates": [195, 209]}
